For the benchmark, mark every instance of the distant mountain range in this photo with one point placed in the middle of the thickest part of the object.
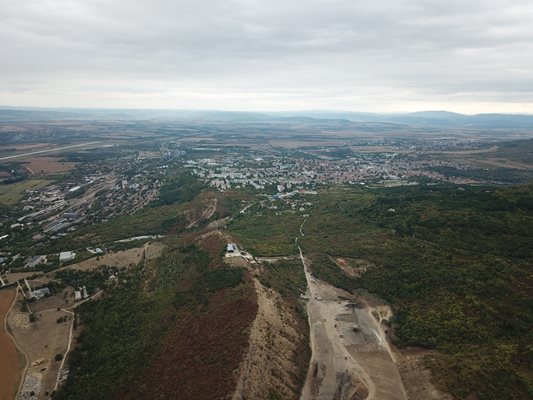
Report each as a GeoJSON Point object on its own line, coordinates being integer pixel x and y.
{"type": "Point", "coordinates": [420, 118]}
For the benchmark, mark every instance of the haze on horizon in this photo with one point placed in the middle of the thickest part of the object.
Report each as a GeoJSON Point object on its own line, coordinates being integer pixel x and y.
{"type": "Point", "coordinates": [379, 56]}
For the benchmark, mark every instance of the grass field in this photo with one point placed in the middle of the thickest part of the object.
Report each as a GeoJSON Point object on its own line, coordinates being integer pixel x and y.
{"type": "Point", "coordinates": [13, 193]}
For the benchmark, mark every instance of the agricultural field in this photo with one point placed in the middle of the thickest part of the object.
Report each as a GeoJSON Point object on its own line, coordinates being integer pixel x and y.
{"type": "Point", "coordinates": [48, 165]}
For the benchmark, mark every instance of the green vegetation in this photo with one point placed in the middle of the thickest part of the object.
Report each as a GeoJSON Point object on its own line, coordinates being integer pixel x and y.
{"type": "Point", "coordinates": [179, 186]}
{"type": "Point", "coordinates": [455, 265]}
{"type": "Point", "coordinates": [168, 214]}
{"type": "Point", "coordinates": [324, 268]}
{"type": "Point", "coordinates": [92, 280]}
{"type": "Point", "coordinates": [516, 151]}
{"type": "Point", "coordinates": [11, 194]}
{"type": "Point", "coordinates": [266, 233]}
{"type": "Point", "coordinates": [285, 276]}
{"type": "Point", "coordinates": [493, 174]}
{"type": "Point", "coordinates": [122, 330]}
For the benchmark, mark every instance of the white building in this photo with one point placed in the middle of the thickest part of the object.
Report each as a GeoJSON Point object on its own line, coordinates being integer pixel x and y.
{"type": "Point", "coordinates": [65, 256]}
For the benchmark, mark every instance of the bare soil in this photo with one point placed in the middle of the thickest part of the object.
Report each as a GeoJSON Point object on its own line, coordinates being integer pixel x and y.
{"type": "Point", "coordinates": [351, 357]}
{"type": "Point", "coordinates": [41, 341]}
{"type": "Point", "coordinates": [275, 363]}
{"type": "Point", "coordinates": [11, 363]}
{"type": "Point", "coordinates": [352, 267]}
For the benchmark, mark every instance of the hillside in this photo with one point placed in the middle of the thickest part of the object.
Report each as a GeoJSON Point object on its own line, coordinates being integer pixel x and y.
{"type": "Point", "coordinates": [454, 263]}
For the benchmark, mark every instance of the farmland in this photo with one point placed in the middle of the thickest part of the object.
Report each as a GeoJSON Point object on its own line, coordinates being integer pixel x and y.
{"type": "Point", "coordinates": [47, 165]}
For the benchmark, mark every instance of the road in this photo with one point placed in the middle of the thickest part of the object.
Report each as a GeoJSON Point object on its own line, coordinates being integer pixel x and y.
{"type": "Point", "coordinates": [351, 358]}
{"type": "Point", "coordinates": [8, 332]}
{"type": "Point", "coordinates": [32, 153]}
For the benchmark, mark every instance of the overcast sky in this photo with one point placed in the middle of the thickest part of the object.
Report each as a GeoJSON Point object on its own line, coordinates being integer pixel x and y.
{"type": "Point", "coordinates": [372, 55]}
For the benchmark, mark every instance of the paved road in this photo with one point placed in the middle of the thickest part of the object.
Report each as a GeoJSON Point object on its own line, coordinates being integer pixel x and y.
{"type": "Point", "coordinates": [32, 153]}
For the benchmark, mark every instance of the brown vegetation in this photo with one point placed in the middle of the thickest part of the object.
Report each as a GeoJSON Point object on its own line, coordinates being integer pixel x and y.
{"type": "Point", "coordinates": [200, 355]}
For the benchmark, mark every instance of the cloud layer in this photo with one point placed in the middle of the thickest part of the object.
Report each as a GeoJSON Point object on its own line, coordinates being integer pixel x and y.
{"type": "Point", "coordinates": [395, 55]}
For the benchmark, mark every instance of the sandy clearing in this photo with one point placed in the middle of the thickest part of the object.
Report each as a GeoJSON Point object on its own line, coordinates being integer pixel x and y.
{"type": "Point", "coordinates": [269, 364]}
{"type": "Point", "coordinates": [11, 363]}
{"type": "Point", "coordinates": [352, 268]}
{"type": "Point", "coordinates": [351, 358]}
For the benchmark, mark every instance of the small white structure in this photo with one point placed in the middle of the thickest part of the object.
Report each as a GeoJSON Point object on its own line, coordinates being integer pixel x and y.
{"type": "Point", "coordinates": [77, 295]}
{"type": "Point", "coordinates": [232, 250]}
{"type": "Point", "coordinates": [65, 256]}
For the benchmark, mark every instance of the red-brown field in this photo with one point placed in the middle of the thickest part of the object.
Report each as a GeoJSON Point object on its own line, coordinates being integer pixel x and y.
{"type": "Point", "coordinates": [10, 365]}
{"type": "Point", "coordinates": [200, 355]}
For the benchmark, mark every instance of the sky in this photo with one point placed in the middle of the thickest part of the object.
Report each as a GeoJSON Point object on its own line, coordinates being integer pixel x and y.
{"type": "Point", "coordinates": [374, 55]}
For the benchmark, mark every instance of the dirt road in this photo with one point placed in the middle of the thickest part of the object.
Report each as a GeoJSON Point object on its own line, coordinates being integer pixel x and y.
{"type": "Point", "coordinates": [351, 358]}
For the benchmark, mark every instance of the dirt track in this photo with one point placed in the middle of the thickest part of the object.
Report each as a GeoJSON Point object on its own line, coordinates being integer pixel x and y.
{"type": "Point", "coordinates": [10, 365]}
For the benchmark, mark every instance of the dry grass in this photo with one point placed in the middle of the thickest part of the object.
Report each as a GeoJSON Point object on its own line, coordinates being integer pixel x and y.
{"type": "Point", "coordinates": [48, 165]}
{"type": "Point", "coordinates": [120, 259]}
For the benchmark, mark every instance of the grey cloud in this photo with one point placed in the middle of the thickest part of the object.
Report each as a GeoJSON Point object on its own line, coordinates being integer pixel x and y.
{"type": "Point", "coordinates": [345, 54]}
